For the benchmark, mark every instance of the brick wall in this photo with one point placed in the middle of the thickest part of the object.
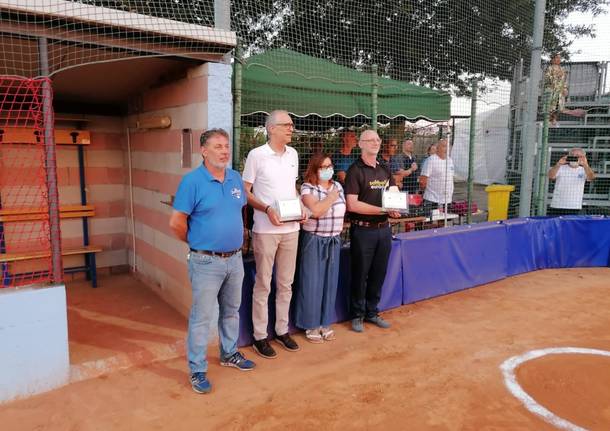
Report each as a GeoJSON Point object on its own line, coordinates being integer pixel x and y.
{"type": "Point", "coordinates": [105, 179]}
{"type": "Point", "coordinates": [156, 173]}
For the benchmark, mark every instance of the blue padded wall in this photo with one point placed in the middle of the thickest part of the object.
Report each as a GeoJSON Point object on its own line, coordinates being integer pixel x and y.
{"type": "Point", "coordinates": [441, 261]}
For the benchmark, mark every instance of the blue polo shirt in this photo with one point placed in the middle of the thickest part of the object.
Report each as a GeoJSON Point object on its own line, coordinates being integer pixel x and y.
{"type": "Point", "coordinates": [214, 209]}
{"type": "Point", "coordinates": [342, 162]}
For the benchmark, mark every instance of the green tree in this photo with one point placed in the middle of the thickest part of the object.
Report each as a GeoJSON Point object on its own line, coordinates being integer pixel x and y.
{"type": "Point", "coordinates": [440, 43]}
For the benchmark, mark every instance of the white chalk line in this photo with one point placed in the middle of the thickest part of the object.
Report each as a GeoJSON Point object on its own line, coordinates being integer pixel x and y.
{"type": "Point", "coordinates": [508, 370]}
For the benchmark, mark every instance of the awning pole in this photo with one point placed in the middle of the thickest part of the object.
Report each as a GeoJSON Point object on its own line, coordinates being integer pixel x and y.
{"type": "Point", "coordinates": [374, 93]}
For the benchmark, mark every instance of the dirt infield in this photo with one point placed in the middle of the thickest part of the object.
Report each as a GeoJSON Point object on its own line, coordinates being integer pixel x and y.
{"type": "Point", "coordinates": [437, 368]}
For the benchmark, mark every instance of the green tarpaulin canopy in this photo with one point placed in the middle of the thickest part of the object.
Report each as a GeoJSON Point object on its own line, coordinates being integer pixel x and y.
{"type": "Point", "coordinates": [304, 85]}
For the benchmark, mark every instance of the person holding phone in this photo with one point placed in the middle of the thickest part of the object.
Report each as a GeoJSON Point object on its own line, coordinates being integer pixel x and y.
{"type": "Point", "coordinates": [570, 174]}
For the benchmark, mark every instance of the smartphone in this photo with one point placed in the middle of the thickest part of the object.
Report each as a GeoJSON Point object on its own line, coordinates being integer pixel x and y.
{"type": "Point", "coordinates": [571, 159]}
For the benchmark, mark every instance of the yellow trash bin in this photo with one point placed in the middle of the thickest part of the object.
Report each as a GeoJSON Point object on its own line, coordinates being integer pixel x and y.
{"type": "Point", "coordinates": [497, 201]}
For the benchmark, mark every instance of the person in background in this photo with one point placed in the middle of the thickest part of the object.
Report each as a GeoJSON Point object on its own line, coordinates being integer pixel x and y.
{"type": "Point", "coordinates": [570, 174]}
{"type": "Point", "coordinates": [207, 216]}
{"type": "Point", "coordinates": [389, 148]}
{"type": "Point", "coordinates": [346, 155]}
{"type": "Point", "coordinates": [406, 173]}
{"type": "Point", "coordinates": [430, 151]}
{"type": "Point", "coordinates": [437, 178]}
{"type": "Point", "coordinates": [556, 86]}
{"type": "Point", "coordinates": [320, 248]}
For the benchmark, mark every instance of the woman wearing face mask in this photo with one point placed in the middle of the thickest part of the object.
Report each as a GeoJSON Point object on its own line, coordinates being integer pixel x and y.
{"type": "Point", "coordinates": [320, 248]}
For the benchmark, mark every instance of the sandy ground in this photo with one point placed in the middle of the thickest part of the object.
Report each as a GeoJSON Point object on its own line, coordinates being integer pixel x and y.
{"type": "Point", "coordinates": [437, 368]}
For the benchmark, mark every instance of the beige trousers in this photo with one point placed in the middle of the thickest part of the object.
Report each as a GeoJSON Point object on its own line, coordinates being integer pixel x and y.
{"type": "Point", "coordinates": [280, 249]}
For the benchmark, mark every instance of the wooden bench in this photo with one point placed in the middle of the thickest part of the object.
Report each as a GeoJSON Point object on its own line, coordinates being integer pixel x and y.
{"type": "Point", "coordinates": [80, 138]}
{"type": "Point", "coordinates": [30, 214]}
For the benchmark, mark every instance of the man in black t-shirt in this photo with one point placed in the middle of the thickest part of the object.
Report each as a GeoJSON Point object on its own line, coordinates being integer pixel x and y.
{"type": "Point", "coordinates": [370, 234]}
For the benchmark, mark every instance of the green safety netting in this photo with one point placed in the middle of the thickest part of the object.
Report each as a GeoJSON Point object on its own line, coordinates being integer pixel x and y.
{"type": "Point", "coordinates": [304, 85]}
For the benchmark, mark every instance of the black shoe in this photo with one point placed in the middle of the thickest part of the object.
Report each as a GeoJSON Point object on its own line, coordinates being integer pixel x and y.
{"type": "Point", "coordinates": [379, 321]}
{"type": "Point", "coordinates": [287, 343]}
{"type": "Point", "coordinates": [264, 349]}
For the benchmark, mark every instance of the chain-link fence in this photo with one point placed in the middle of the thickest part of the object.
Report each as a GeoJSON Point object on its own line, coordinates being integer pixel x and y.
{"type": "Point", "coordinates": [82, 32]}
{"type": "Point", "coordinates": [408, 69]}
{"type": "Point", "coordinates": [418, 72]}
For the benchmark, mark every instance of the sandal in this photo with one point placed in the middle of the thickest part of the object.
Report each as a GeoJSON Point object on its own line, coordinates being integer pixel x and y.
{"type": "Point", "coordinates": [314, 336]}
{"type": "Point", "coordinates": [328, 334]}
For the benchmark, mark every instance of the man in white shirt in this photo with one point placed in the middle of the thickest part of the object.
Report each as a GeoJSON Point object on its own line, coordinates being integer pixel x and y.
{"type": "Point", "coordinates": [270, 175]}
{"type": "Point", "coordinates": [570, 174]}
{"type": "Point", "coordinates": [437, 178]}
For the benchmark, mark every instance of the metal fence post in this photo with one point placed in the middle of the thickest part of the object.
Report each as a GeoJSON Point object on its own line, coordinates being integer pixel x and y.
{"type": "Point", "coordinates": [529, 143]}
{"type": "Point", "coordinates": [543, 160]}
{"type": "Point", "coordinates": [50, 163]}
{"type": "Point", "coordinates": [471, 144]}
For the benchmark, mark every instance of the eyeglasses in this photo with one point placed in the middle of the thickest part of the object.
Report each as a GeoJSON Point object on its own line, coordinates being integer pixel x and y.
{"type": "Point", "coordinates": [393, 146]}
{"type": "Point", "coordinates": [325, 166]}
{"type": "Point", "coordinates": [288, 125]}
{"type": "Point", "coordinates": [370, 141]}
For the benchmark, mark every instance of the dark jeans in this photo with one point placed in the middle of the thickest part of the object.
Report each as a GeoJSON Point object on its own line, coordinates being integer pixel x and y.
{"type": "Point", "coordinates": [370, 250]}
{"type": "Point", "coordinates": [554, 212]}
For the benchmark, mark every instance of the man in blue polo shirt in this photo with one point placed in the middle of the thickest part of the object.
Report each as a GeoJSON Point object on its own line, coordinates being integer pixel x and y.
{"type": "Point", "coordinates": [207, 215]}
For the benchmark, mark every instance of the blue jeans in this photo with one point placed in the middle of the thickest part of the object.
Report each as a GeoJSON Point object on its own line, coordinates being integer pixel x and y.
{"type": "Point", "coordinates": [318, 279]}
{"type": "Point", "coordinates": [213, 278]}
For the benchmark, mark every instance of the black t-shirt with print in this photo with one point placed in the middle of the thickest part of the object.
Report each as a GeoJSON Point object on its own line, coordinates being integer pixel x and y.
{"type": "Point", "coordinates": [368, 183]}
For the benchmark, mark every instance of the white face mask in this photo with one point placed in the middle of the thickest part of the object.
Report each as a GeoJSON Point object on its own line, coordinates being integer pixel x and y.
{"type": "Point", "coordinates": [326, 174]}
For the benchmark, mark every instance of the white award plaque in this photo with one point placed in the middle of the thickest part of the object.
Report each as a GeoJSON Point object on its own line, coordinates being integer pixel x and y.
{"type": "Point", "coordinates": [289, 209]}
{"type": "Point", "coordinates": [395, 200]}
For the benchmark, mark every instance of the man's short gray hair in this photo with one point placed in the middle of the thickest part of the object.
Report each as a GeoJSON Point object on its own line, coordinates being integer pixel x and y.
{"type": "Point", "coordinates": [205, 136]}
{"type": "Point", "coordinates": [271, 119]}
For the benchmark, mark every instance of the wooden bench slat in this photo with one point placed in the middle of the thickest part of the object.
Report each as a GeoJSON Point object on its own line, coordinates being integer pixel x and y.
{"type": "Point", "coordinates": [16, 257]}
{"type": "Point", "coordinates": [38, 214]}
{"type": "Point", "coordinates": [24, 217]}
{"type": "Point", "coordinates": [81, 250]}
{"type": "Point", "coordinates": [44, 216]}
{"type": "Point", "coordinates": [75, 214]}
{"type": "Point", "coordinates": [40, 210]}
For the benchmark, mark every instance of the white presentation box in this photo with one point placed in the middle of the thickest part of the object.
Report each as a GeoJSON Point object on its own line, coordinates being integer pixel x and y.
{"type": "Point", "coordinates": [289, 209]}
{"type": "Point", "coordinates": [395, 200]}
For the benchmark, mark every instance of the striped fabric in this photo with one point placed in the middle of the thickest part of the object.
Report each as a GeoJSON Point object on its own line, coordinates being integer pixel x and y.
{"type": "Point", "coordinates": [331, 223]}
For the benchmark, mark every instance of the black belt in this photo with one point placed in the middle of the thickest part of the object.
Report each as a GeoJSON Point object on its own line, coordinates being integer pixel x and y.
{"type": "Point", "coordinates": [370, 223]}
{"type": "Point", "coordinates": [216, 253]}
